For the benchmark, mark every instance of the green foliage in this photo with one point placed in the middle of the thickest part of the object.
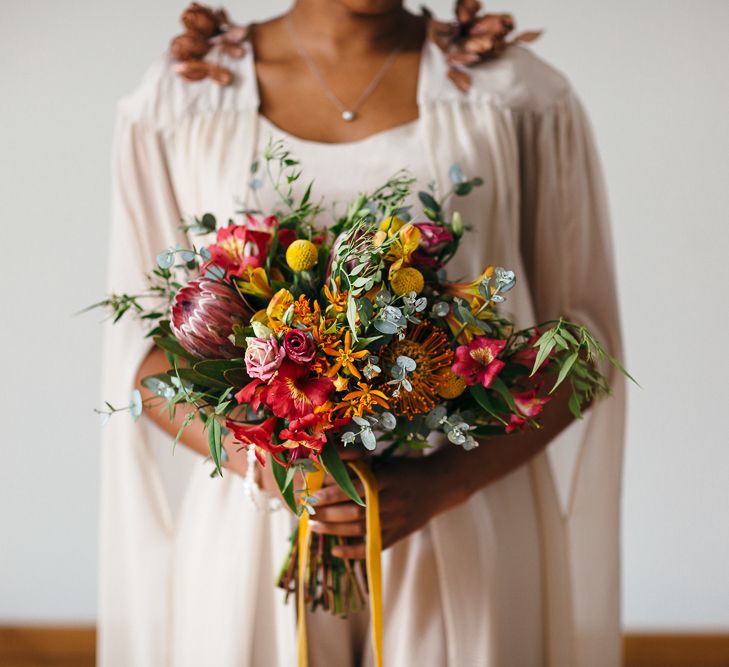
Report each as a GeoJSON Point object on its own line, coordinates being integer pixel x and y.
{"type": "Point", "coordinates": [280, 474]}
{"type": "Point", "coordinates": [215, 443]}
{"type": "Point", "coordinates": [336, 468]}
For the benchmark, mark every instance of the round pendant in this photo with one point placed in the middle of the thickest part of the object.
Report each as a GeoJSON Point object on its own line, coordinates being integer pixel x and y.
{"type": "Point", "coordinates": [348, 115]}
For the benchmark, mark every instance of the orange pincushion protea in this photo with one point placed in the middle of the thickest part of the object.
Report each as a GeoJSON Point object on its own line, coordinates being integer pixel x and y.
{"type": "Point", "coordinates": [429, 348]}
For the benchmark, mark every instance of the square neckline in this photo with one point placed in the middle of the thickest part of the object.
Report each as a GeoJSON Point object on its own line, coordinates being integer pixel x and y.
{"type": "Point", "coordinates": [422, 64]}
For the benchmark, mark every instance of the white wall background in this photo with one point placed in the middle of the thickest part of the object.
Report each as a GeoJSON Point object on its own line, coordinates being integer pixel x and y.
{"type": "Point", "coordinates": [653, 75]}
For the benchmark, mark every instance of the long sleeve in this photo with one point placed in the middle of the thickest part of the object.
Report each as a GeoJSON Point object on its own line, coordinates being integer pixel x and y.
{"type": "Point", "coordinates": [185, 560]}
{"type": "Point", "coordinates": [565, 231]}
{"type": "Point", "coordinates": [135, 520]}
{"type": "Point", "coordinates": [567, 253]}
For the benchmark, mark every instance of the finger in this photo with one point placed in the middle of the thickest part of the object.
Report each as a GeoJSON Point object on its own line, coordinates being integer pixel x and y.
{"type": "Point", "coordinates": [330, 495]}
{"type": "Point", "coordinates": [340, 512]}
{"type": "Point", "coordinates": [350, 529]}
{"type": "Point", "coordinates": [350, 551]}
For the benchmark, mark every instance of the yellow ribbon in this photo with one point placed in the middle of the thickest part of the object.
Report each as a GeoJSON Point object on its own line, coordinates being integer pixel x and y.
{"type": "Point", "coordinates": [314, 481]}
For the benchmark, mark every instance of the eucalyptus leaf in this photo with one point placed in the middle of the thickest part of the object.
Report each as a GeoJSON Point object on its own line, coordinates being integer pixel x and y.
{"type": "Point", "coordinates": [385, 327]}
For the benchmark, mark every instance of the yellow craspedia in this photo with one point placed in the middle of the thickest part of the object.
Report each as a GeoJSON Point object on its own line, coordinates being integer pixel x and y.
{"type": "Point", "coordinates": [301, 255]}
{"type": "Point", "coordinates": [407, 280]}
{"type": "Point", "coordinates": [450, 385]}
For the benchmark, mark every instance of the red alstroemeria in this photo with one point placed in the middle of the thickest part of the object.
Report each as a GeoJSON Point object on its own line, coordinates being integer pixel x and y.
{"type": "Point", "coordinates": [308, 432]}
{"type": "Point", "coordinates": [477, 362]}
{"type": "Point", "coordinates": [238, 247]}
{"type": "Point", "coordinates": [530, 405]}
{"type": "Point", "coordinates": [268, 224]}
{"type": "Point", "coordinates": [292, 394]}
{"type": "Point", "coordinates": [305, 437]}
{"type": "Point", "coordinates": [252, 393]}
{"type": "Point", "coordinates": [258, 435]}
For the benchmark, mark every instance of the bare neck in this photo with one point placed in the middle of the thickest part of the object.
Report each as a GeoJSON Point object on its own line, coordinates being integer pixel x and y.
{"type": "Point", "coordinates": [332, 29]}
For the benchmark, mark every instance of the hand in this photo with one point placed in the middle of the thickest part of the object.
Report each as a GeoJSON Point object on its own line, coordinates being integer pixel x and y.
{"type": "Point", "coordinates": [409, 497]}
{"type": "Point", "coordinates": [238, 463]}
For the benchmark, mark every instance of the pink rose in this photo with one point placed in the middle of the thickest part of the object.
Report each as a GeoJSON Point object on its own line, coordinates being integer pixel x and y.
{"type": "Point", "coordinates": [263, 357]}
{"type": "Point", "coordinates": [433, 240]}
{"type": "Point", "coordinates": [299, 346]}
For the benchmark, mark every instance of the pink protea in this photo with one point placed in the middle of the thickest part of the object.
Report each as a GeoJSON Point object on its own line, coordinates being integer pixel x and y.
{"type": "Point", "coordinates": [203, 314]}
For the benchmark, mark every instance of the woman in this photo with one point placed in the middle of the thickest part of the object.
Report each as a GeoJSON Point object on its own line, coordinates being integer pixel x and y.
{"type": "Point", "coordinates": [505, 555]}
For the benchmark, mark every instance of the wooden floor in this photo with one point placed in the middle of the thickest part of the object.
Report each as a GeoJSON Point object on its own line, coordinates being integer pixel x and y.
{"type": "Point", "coordinates": [26, 646]}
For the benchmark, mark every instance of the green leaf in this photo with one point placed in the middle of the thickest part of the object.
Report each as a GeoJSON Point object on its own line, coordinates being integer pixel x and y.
{"type": "Point", "coordinates": [215, 369]}
{"type": "Point", "coordinates": [569, 337]}
{"type": "Point", "coordinates": [237, 377]}
{"type": "Point", "coordinates": [191, 375]}
{"type": "Point", "coordinates": [215, 443]}
{"type": "Point", "coordinates": [428, 201]}
{"type": "Point", "coordinates": [352, 316]}
{"type": "Point", "coordinates": [544, 350]}
{"type": "Point", "coordinates": [169, 344]}
{"type": "Point", "coordinates": [484, 400]}
{"type": "Point", "coordinates": [498, 385]}
{"type": "Point", "coordinates": [280, 474]}
{"type": "Point", "coordinates": [289, 477]}
{"type": "Point", "coordinates": [189, 417]}
{"type": "Point", "coordinates": [336, 468]}
{"type": "Point", "coordinates": [566, 366]}
{"type": "Point", "coordinates": [617, 365]}
{"type": "Point", "coordinates": [574, 405]}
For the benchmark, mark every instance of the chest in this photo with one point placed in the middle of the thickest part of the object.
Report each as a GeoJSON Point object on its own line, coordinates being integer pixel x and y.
{"type": "Point", "coordinates": [210, 158]}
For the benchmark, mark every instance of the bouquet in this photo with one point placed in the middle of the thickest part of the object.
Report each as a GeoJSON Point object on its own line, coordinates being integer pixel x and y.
{"type": "Point", "coordinates": [298, 341]}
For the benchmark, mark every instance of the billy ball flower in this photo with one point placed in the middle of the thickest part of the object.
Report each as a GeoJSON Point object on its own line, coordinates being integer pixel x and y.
{"type": "Point", "coordinates": [302, 255]}
{"type": "Point", "coordinates": [450, 385]}
{"type": "Point", "coordinates": [407, 280]}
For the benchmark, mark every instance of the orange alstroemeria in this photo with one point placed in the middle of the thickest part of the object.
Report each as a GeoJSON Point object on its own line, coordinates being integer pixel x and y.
{"type": "Point", "coordinates": [254, 282]}
{"type": "Point", "coordinates": [337, 299]}
{"type": "Point", "coordinates": [469, 291]}
{"type": "Point", "coordinates": [278, 306]}
{"type": "Point", "coordinates": [304, 314]}
{"type": "Point", "coordinates": [365, 399]}
{"type": "Point", "coordinates": [404, 244]}
{"type": "Point", "coordinates": [344, 356]}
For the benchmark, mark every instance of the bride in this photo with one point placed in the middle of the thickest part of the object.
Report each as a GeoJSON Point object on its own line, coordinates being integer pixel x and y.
{"type": "Point", "coordinates": [505, 555]}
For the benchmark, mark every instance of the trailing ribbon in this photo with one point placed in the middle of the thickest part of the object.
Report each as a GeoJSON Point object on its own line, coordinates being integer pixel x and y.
{"type": "Point", "coordinates": [314, 481]}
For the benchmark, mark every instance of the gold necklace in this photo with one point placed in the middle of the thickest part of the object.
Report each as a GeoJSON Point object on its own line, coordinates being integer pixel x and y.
{"type": "Point", "coordinates": [348, 113]}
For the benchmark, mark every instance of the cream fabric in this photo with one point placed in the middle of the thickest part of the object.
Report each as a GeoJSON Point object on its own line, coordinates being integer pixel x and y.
{"type": "Point", "coordinates": [526, 572]}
